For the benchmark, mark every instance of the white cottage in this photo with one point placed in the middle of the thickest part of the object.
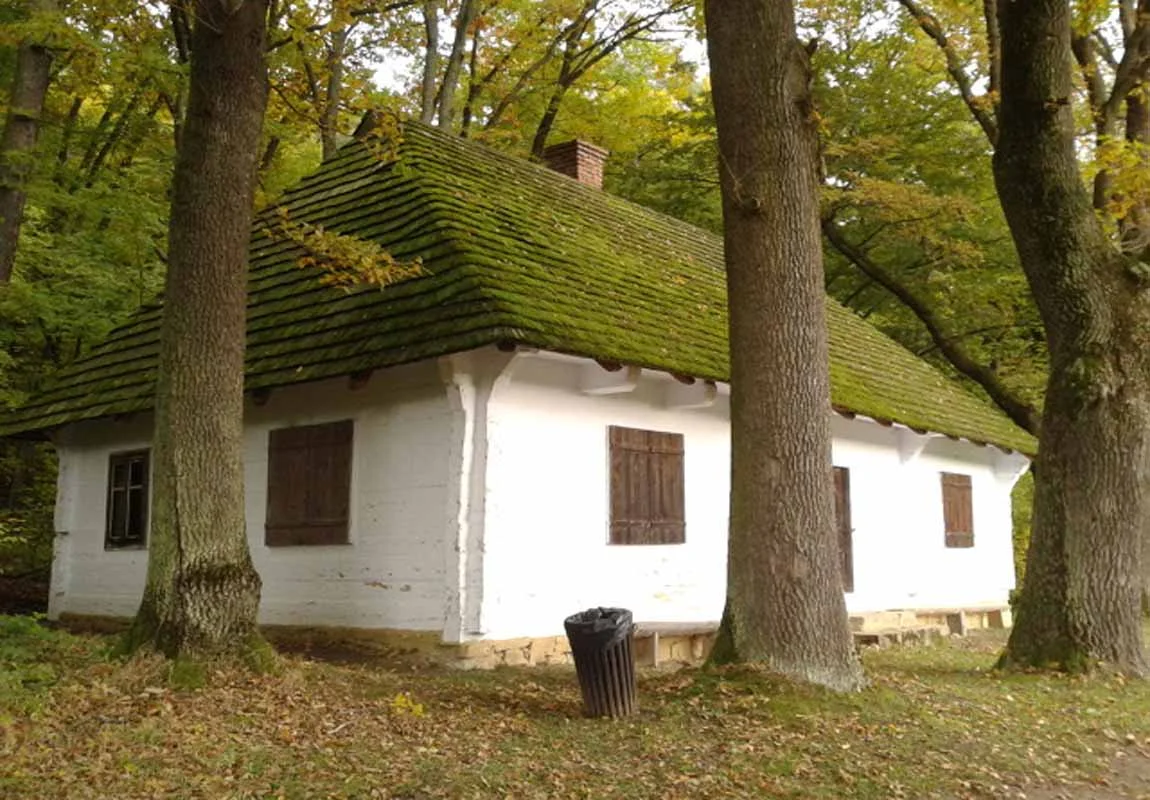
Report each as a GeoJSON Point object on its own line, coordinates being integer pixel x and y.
{"type": "Point", "coordinates": [536, 425]}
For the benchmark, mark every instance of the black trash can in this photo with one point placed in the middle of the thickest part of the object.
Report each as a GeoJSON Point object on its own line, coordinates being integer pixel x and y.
{"type": "Point", "coordinates": [604, 660]}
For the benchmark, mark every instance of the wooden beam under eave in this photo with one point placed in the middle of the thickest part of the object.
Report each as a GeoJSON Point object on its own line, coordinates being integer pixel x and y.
{"type": "Point", "coordinates": [1009, 467]}
{"type": "Point", "coordinates": [597, 381]}
{"type": "Point", "coordinates": [910, 445]}
{"type": "Point", "coordinates": [701, 394]}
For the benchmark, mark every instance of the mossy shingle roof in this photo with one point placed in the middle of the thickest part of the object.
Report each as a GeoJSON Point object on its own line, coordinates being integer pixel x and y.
{"type": "Point", "coordinates": [513, 253]}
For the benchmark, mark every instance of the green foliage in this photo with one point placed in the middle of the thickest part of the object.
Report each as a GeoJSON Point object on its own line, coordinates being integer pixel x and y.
{"type": "Point", "coordinates": [27, 502]}
{"type": "Point", "coordinates": [1022, 509]}
{"type": "Point", "coordinates": [92, 241]}
{"type": "Point", "coordinates": [674, 170]}
{"type": "Point", "coordinates": [909, 180]}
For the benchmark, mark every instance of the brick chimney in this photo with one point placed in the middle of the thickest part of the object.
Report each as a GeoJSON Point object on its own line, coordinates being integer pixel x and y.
{"type": "Point", "coordinates": [577, 159]}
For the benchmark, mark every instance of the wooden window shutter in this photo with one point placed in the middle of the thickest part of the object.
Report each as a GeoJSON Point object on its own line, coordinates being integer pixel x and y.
{"type": "Point", "coordinates": [843, 525]}
{"type": "Point", "coordinates": [958, 510]}
{"type": "Point", "coordinates": [647, 487]}
{"type": "Point", "coordinates": [309, 484]}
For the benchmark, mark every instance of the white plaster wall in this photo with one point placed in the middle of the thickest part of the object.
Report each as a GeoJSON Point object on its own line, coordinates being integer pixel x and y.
{"type": "Point", "coordinates": [547, 512]}
{"type": "Point", "coordinates": [900, 556]}
{"type": "Point", "coordinates": [546, 553]}
{"type": "Point", "coordinates": [496, 476]}
{"type": "Point", "coordinates": [391, 575]}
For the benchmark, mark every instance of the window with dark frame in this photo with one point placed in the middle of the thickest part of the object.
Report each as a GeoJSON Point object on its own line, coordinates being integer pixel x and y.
{"type": "Point", "coordinates": [957, 510]}
{"type": "Point", "coordinates": [309, 484]}
{"type": "Point", "coordinates": [127, 512]}
{"type": "Point", "coordinates": [647, 487]}
{"type": "Point", "coordinates": [843, 525]}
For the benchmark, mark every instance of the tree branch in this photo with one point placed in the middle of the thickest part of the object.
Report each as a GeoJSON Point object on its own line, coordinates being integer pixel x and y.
{"type": "Point", "coordinates": [1131, 70]}
{"type": "Point", "coordinates": [955, 67]}
{"type": "Point", "coordinates": [993, 49]}
{"type": "Point", "coordinates": [1022, 413]}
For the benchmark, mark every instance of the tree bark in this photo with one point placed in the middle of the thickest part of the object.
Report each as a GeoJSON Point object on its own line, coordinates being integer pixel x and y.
{"type": "Point", "coordinates": [785, 605]}
{"type": "Point", "coordinates": [474, 83]}
{"type": "Point", "coordinates": [202, 592]}
{"type": "Point", "coordinates": [1081, 599]}
{"type": "Point", "coordinates": [547, 121]}
{"type": "Point", "coordinates": [463, 21]}
{"type": "Point", "coordinates": [430, 61]}
{"type": "Point", "coordinates": [1135, 226]}
{"type": "Point", "coordinates": [333, 93]}
{"type": "Point", "coordinates": [21, 129]}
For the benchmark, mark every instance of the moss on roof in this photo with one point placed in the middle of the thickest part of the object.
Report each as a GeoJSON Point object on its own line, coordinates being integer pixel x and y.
{"type": "Point", "coordinates": [514, 253]}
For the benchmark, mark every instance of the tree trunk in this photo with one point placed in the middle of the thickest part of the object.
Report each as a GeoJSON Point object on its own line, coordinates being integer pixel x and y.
{"type": "Point", "coordinates": [785, 605]}
{"type": "Point", "coordinates": [1135, 227]}
{"type": "Point", "coordinates": [333, 93]}
{"type": "Point", "coordinates": [202, 592]}
{"type": "Point", "coordinates": [463, 21]}
{"type": "Point", "coordinates": [21, 128]}
{"type": "Point", "coordinates": [547, 121]}
{"type": "Point", "coordinates": [1081, 598]}
{"type": "Point", "coordinates": [474, 84]}
{"type": "Point", "coordinates": [430, 61]}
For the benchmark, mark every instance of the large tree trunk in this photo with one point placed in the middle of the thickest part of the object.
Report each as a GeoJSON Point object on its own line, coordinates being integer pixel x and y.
{"type": "Point", "coordinates": [21, 128]}
{"type": "Point", "coordinates": [785, 604]}
{"type": "Point", "coordinates": [202, 592]}
{"type": "Point", "coordinates": [1080, 600]}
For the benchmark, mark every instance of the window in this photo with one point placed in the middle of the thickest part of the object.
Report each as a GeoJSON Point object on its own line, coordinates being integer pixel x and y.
{"type": "Point", "coordinates": [843, 525]}
{"type": "Point", "coordinates": [309, 484]}
{"type": "Point", "coordinates": [127, 512]}
{"type": "Point", "coordinates": [646, 487]}
{"type": "Point", "coordinates": [957, 510]}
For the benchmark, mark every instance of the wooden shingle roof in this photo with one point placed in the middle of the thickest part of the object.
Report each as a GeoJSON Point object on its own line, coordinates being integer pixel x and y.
{"type": "Point", "coordinates": [513, 253]}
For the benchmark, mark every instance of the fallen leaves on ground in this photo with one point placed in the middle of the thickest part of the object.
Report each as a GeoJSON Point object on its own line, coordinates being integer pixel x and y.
{"type": "Point", "coordinates": [936, 722]}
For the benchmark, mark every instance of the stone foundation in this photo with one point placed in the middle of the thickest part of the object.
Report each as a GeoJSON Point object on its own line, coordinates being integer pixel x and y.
{"type": "Point", "coordinates": [656, 644]}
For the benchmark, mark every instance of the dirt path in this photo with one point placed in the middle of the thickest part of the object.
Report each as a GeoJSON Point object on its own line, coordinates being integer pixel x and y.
{"type": "Point", "coordinates": [1129, 779]}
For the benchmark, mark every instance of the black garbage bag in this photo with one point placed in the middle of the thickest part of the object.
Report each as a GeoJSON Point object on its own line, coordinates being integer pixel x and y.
{"type": "Point", "coordinates": [601, 643]}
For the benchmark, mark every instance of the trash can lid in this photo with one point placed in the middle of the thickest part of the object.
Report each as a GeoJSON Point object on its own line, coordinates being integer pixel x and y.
{"type": "Point", "coordinates": [596, 620]}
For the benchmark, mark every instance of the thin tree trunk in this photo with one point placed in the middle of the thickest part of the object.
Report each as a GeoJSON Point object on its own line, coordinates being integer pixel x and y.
{"type": "Point", "coordinates": [547, 121]}
{"type": "Point", "coordinates": [1081, 598]}
{"type": "Point", "coordinates": [1135, 227]}
{"type": "Point", "coordinates": [466, 16]}
{"type": "Point", "coordinates": [21, 129]}
{"type": "Point", "coordinates": [202, 592]}
{"type": "Point", "coordinates": [785, 604]}
{"type": "Point", "coordinates": [67, 130]}
{"type": "Point", "coordinates": [329, 120]}
{"type": "Point", "coordinates": [430, 61]}
{"type": "Point", "coordinates": [474, 84]}
{"type": "Point", "coordinates": [113, 139]}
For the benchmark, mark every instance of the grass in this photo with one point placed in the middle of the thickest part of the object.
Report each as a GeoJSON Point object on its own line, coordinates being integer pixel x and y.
{"type": "Point", "coordinates": [936, 722]}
